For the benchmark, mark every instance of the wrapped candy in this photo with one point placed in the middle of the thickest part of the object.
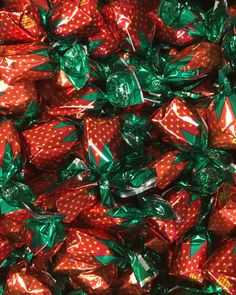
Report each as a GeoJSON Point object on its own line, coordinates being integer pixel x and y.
{"type": "Point", "coordinates": [181, 23]}
{"type": "Point", "coordinates": [130, 23]}
{"type": "Point", "coordinates": [221, 116]}
{"type": "Point", "coordinates": [189, 256]}
{"type": "Point", "coordinates": [57, 139]}
{"type": "Point", "coordinates": [17, 98]}
{"type": "Point", "coordinates": [222, 220]}
{"type": "Point", "coordinates": [21, 27]}
{"type": "Point", "coordinates": [219, 268]}
{"type": "Point", "coordinates": [37, 61]}
{"type": "Point", "coordinates": [117, 156]}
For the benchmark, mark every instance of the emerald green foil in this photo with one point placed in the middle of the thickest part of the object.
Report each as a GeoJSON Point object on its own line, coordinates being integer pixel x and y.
{"type": "Point", "coordinates": [47, 231]}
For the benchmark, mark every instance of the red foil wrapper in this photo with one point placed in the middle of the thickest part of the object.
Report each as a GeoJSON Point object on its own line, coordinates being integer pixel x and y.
{"type": "Point", "coordinates": [78, 260]}
{"type": "Point", "coordinates": [22, 26]}
{"type": "Point", "coordinates": [168, 167]}
{"type": "Point", "coordinates": [23, 281]}
{"type": "Point", "coordinates": [220, 267]}
{"type": "Point", "coordinates": [72, 198]}
{"type": "Point", "coordinates": [14, 227]}
{"type": "Point", "coordinates": [15, 98]}
{"type": "Point", "coordinates": [130, 21]}
{"type": "Point", "coordinates": [97, 217]}
{"type": "Point", "coordinates": [178, 123]}
{"type": "Point", "coordinates": [73, 103]}
{"type": "Point", "coordinates": [223, 216]}
{"type": "Point", "coordinates": [49, 144]}
{"type": "Point", "coordinates": [222, 122]}
{"type": "Point", "coordinates": [103, 41]}
{"type": "Point", "coordinates": [206, 57]}
{"type": "Point", "coordinates": [102, 132]}
{"type": "Point", "coordinates": [188, 258]}
{"type": "Point", "coordinates": [24, 62]}
{"type": "Point", "coordinates": [97, 281]}
{"type": "Point", "coordinates": [76, 17]}
{"type": "Point", "coordinates": [167, 232]}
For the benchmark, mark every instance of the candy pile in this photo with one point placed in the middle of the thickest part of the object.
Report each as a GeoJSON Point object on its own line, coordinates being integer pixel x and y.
{"type": "Point", "coordinates": [117, 139]}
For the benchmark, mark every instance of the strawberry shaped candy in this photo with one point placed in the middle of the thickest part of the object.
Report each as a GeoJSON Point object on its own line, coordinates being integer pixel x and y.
{"type": "Point", "coordinates": [37, 61]}
{"type": "Point", "coordinates": [194, 62]}
{"type": "Point", "coordinates": [223, 215]}
{"type": "Point", "coordinates": [48, 144]}
{"type": "Point", "coordinates": [103, 42]}
{"type": "Point", "coordinates": [189, 256]}
{"type": "Point", "coordinates": [181, 125]}
{"type": "Point", "coordinates": [24, 61]}
{"type": "Point", "coordinates": [222, 117]}
{"type": "Point", "coordinates": [74, 104]}
{"type": "Point", "coordinates": [220, 267]}
{"type": "Point", "coordinates": [85, 246]}
{"type": "Point", "coordinates": [129, 17]}
{"type": "Point", "coordinates": [72, 198]}
{"type": "Point", "coordinates": [186, 207]}
{"type": "Point", "coordinates": [75, 17]}
{"type": "Point", "coordinates": [21, 27]}
{"type": "Point", "coordinates": [16, 98]}
{"type": "Point", "coordinates": [13, 225]}
{"type": "Point", "coordinates": [101, 134]}
{"type": "Point", "coordinates": [168, 167]}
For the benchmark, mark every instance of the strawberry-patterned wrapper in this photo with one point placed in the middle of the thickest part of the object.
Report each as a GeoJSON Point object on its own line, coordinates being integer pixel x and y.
{"type": "Point", "coordinates": [222, 117]}
{"type": "Point", "coordinates": [21, 27]}
{"type": "Point", "coordinates": [90, 249]}
{"type": "Point", "coordinates": [220, 267]}
{"type": "Point", "coordinates": [75, 17]}
{"type": "Point", "coordinates": [103, 42]}
{"type": "Point", "coordinates": [37, 61]}
{"type": "Point", "coordinates": [169, 166]}
{"type": "Point", "coordinates": [73, 104]}
{"type": "Point", "coordinates": [194, 62]}
{"type": "Point", "coordinates": [188, 257]}
{"type": "Point", "coordinates": [223, 215]}
{"type": "Point", "coordinates": [49, 144]}
{"type": "Point", "coordinates": [181, 125]}
{"type": "Point", "coordinates": [99, 134]}
{"type": "Point", "coordinates": [131, 23]}
{"type": "Point", "coordinates": [181, 23]}
{"type": "Point", "coordinates": [21, 280]}
{"type": "Point", "coordinates": [72, 198]}
{"type": "Point", "coordinates": [16, 98]}
{"type": "Point", "coordinates": [24, 62]}
{"type": "Point", "coordinates": [13, 225]}
{"type": "Point", "coordinates": [187, 207]}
